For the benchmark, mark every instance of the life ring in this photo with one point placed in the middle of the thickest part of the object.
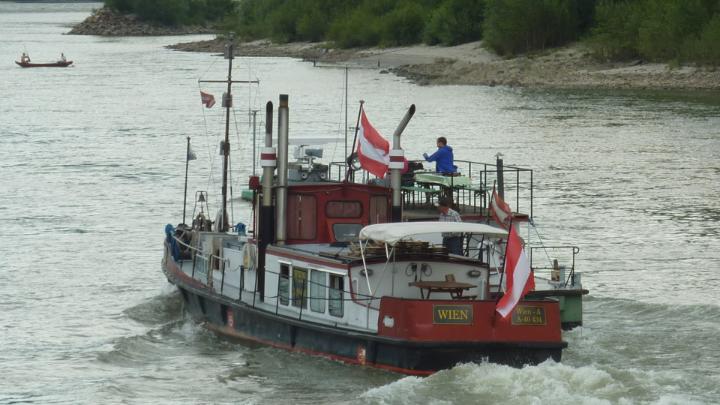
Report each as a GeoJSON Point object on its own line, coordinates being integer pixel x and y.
{"type": "Point", "coordinates": [249, 254]}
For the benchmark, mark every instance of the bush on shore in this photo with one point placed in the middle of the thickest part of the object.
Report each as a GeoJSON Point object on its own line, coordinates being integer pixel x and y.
{"type": "Point", "coordinates": [175, 12]}
{"type": "Point", "coordinates": [658, 30]}
{"type": "Point", "coordinates": [518, 26]}
{"type": "Point", "coordinates": [352, 23]}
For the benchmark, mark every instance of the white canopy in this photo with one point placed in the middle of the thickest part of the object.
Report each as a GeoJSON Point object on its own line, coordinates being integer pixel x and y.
{"type": "Point", "coordinates": [391, 233]}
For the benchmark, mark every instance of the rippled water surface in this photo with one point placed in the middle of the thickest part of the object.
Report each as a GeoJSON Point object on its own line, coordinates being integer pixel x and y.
{"type": "Point", "coordinates": [92, 169]}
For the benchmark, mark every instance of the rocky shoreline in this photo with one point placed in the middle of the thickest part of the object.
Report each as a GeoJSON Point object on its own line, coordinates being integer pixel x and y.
{"type": "Point", "coordinates": [106, 22]}
{"type": "Point", "coordinates": [569, 67]}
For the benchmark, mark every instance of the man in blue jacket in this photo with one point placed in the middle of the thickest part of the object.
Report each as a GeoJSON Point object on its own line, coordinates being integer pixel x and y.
{"type": "Point", "coordinates": [443, 157]}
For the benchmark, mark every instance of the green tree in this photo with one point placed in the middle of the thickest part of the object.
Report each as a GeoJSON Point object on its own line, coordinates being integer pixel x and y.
{"type": "Point", "coordinates": [360, 28]}
{"type": "Point", "coordinates": [403, 25]}
{"type": "Point", "coordinates": [517, 26]}
{"type": "Point", "coordinates": [666, 26]}
{"type": "Point", "coordinates": [616, 33]}
{"type": "Point", "coordinates": [454, 22]}
{"type": "Point", "coordinates": [169, 12]}
{"type": "Point", "coordinates": [706, 48]}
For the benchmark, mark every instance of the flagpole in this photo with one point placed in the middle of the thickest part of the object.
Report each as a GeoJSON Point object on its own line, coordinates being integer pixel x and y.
{"type": "Point", "coordinates": [348, 160]}
{"type": "Point", "coordinates": [504, 259]}
{"type": "Point", "coordinates": [492, 198]}
{"type": "Point", "coordinates": [187, 163]}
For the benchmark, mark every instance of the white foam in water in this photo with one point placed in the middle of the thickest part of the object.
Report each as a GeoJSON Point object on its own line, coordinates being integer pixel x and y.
{"type": "Point", "coordinates": [547, 383]}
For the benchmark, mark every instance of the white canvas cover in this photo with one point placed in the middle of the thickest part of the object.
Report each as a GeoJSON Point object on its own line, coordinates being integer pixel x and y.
{"type": "Point", "coordinates": [391, 233]}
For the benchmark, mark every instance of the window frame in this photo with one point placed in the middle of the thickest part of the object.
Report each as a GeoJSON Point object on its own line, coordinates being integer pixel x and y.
{"type": "Point", "coordinates": [341, 291]}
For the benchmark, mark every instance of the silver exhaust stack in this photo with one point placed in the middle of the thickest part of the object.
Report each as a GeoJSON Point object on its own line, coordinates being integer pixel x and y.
{"type": "Point", "coordinates": [281, 193]}
{"type": "Point", "coordinates": [397, 162]}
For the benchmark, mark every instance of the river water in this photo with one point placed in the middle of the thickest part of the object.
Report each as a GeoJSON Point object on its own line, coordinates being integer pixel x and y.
{"type": "Point", "coordinates": [92, 169]}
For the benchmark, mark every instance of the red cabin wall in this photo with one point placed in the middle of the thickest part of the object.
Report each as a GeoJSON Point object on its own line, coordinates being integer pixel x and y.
{"type": "Point", "coordinates": [307, 219]}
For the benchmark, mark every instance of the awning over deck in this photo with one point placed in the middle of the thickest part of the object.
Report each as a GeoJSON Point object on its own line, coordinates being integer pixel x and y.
{"type": "Point", "coordinates": [391, 233]}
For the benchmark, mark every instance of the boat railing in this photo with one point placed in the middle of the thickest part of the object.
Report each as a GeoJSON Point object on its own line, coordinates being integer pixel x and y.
{"type": "Point", "coordinates": [518, 183]}
{"type": "Point", "coordinates": [474, 192]}
{"type": "Point", "coordinates": [209, 261]}
{"type": "Point", "coordinates": [305, 301]}
{"type": "Point", "coordinates": [550, 262]}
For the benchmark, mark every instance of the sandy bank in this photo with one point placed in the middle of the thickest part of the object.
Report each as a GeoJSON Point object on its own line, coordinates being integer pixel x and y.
{"type": "Point", "coordinates": [471, 64]}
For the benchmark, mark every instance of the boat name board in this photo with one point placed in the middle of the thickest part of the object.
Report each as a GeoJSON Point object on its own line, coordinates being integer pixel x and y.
{"type": "Point", "coordinates": [453, 314]}
{"type": "Point", "coordinates": [528, 315]}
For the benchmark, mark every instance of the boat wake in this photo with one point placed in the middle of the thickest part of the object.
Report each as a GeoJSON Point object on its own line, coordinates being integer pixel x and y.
{"type": "Point", "coordinates": [160, 309]}
{"type": "Point", "coordinates": [549, 382]}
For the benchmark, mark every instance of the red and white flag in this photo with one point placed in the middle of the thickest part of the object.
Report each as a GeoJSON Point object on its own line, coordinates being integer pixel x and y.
{"type": "Point", "coordinates": [207, 99]}
{"type": "Point", "coordinates": [520, 279]}
{"type": "Point", "coordinates": [500, 210]}
{"type": "Point", "coordinates": [373, 149]}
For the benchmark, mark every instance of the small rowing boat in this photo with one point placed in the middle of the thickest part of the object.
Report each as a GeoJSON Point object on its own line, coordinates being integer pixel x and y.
{"type": "Point", "coordinates": [50, 64]}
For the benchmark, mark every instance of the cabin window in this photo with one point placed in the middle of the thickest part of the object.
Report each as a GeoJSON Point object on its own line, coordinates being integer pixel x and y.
{"type": "Point", "coordinates": [318, 288]}
{"type": "Point", "coordinates": [378, 209]}
{"type": "Point", "coordinates": [335, 301]}
{"type": "Point", "coordinates": [301, 217]}
{"type": "Point", "coordinates": [300, 287]}
{"type": "Point", "coordinates": [346, 232]}
{"type": "Point", "coordinates": [343, 209]}
{"type": "Point", "coordinates": [284, 284]}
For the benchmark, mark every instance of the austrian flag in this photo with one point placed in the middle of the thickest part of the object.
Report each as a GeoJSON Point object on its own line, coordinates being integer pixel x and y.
{"type": "Point", "coordinates": [520, 279]}
{"type": "Point", "coordinates": [207, 99]}
{"type": "Point", "coordinates": [373, 149]}
{"type": "Point", "coordinates": [500, 210]}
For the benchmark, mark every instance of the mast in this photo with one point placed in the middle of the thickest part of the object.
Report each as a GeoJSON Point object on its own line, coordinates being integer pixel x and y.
{"type": "Point", "coordinates": [227, 104]}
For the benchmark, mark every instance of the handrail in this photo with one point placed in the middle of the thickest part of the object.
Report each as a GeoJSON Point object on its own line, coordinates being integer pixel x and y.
{"type": "Point", "coordinates": [574, 249]}
{"type": "Point", "coordinates": [485, 172]}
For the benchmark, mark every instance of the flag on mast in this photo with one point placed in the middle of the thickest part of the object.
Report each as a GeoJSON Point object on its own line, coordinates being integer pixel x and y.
{"type": "Point", "coordinates": [373, 149]}
{"type": "Point", "coordinates": [500, 210]}
{"type": "Point", "coordinates": [207, 99]}
{"type": "Point", "coordinates": [190, 153]}
{"type": "Point", "coordinates": [520, 278]}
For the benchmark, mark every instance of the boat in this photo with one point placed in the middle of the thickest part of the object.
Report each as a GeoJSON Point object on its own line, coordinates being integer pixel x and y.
{"type": "Point", "coordinates": [334, 268]}
{"type": "Point", "coordinates": [25, 62]}
{"type": "Point", "coordinates": [49, 64]}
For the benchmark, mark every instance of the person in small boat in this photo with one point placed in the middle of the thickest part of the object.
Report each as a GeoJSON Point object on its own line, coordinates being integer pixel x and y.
{"type": "Point", "coordinates": [62, 57]}
{"type": "Point", "coordinates": [25, 58]}
{"type": "Point", "coordinates": [452, 241]}
{"type": "Point", "coordinates": [443, 157]}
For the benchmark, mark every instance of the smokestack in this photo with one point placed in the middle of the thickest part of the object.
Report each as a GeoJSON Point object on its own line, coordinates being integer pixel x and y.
{"type": "Point", "coordinates": [268, 161]}
{"type": "Point", "coordinates": [397, 162]}
{"type": "Point", "coordinates": [268, 157]}
{"type": "Point", "coordinates": [281, 194]}
{"type": "Point", "coordinates": [500, 179]}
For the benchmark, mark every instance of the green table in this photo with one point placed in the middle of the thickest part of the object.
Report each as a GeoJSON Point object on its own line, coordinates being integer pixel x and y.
{"type": "Point", "coordinates": [443, 181]}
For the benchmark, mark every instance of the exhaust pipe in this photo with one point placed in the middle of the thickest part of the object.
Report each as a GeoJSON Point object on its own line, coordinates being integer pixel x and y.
{"type": "Point", "coordinates": [500, 176]}
{"type": "Point", "coordinates": [281, 193]}
{"type": "Point", "coordinates": [397, 162]}
{"type": "Point", "coordinates": [268, 161]}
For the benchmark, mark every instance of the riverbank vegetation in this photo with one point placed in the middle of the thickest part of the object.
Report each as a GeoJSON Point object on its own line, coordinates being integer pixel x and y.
{"type": "Point", "coordinates": [676, 31]}
{"type": "Point", "coordinates": [175, 12]}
